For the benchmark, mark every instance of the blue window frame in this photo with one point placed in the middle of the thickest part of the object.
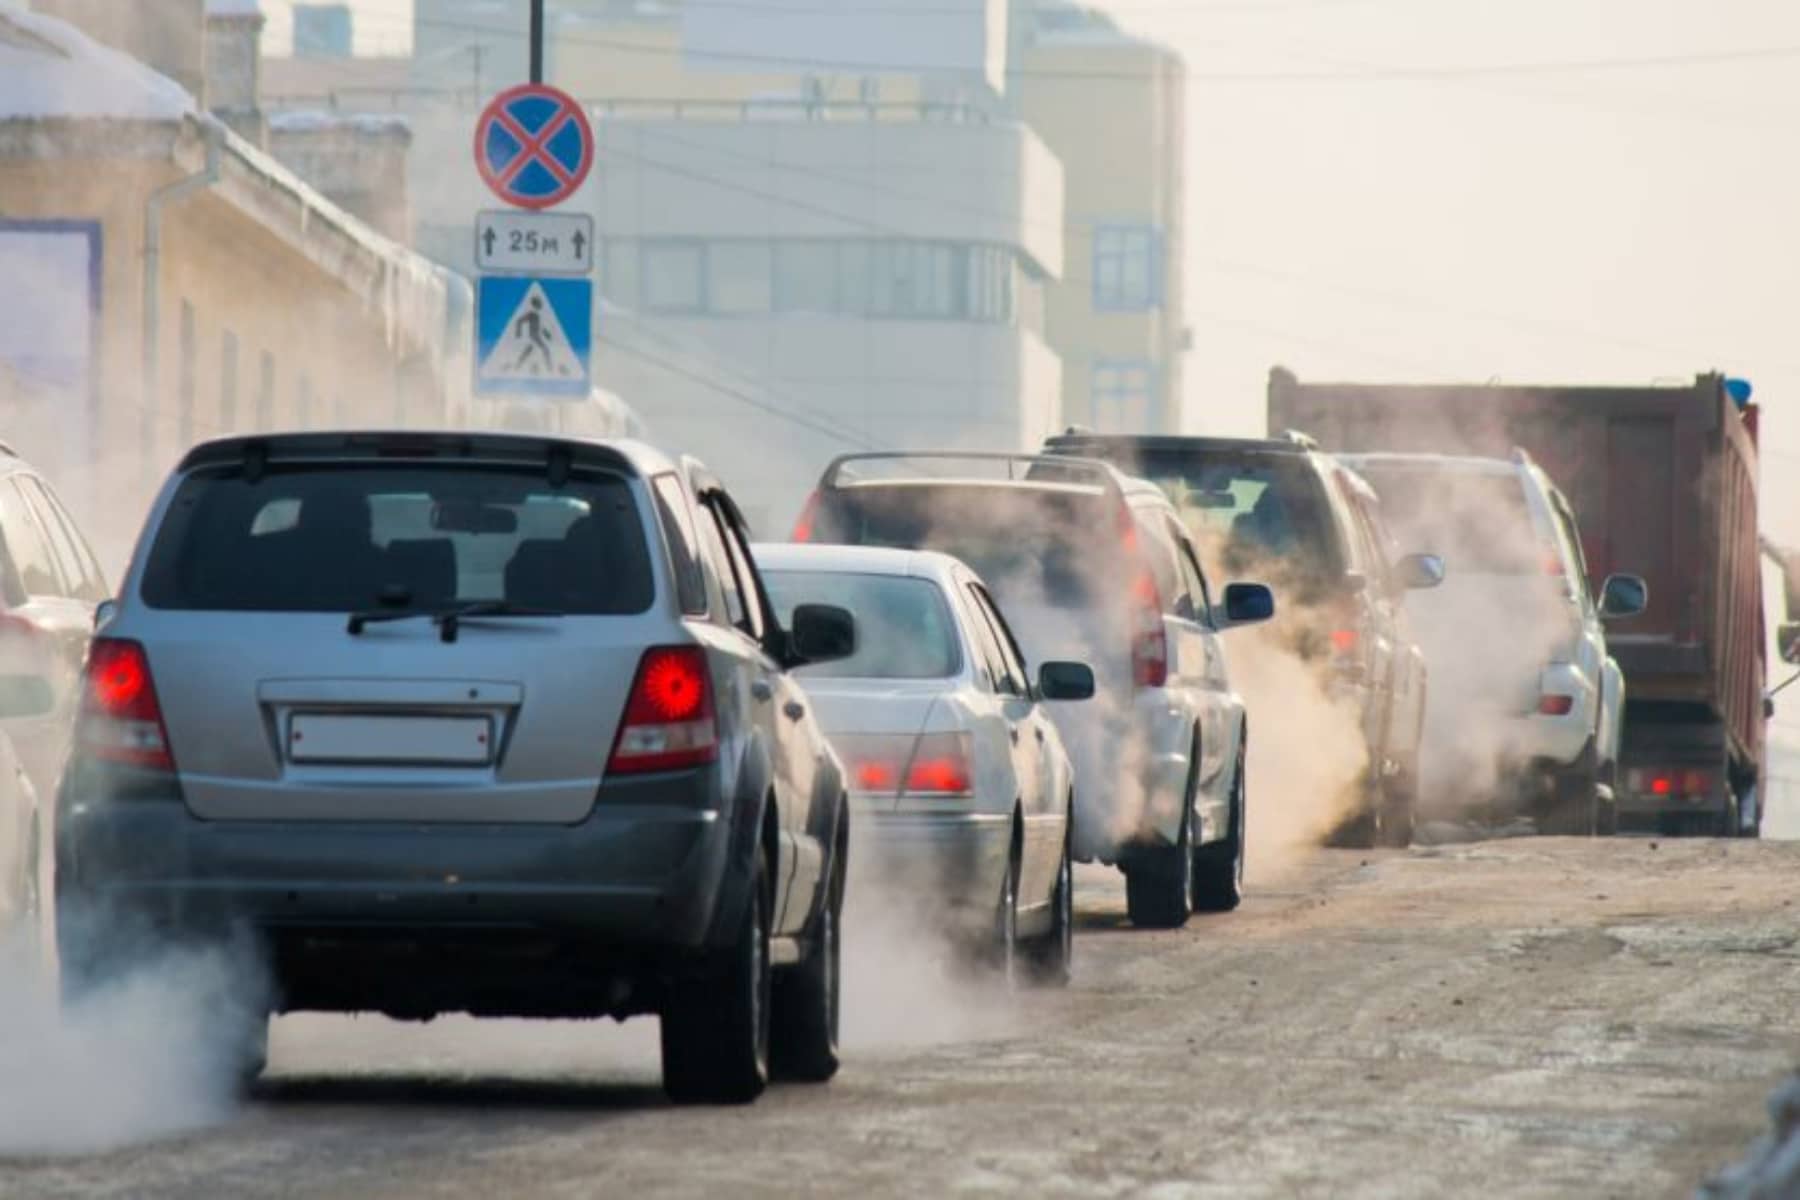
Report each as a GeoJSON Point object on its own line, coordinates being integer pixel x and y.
{"type": "Point", "coordinates": [1124, 396]}
{"type": "Point", "coordinates": [1128, 274]}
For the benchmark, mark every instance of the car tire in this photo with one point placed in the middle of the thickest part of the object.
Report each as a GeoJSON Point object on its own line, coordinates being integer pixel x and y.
{"type": "Point", "coordinates": [715, 1028]}
{"type": "Point", "coordinates": [1219, 868]}
{"type": "Point", "coordinates": [803, 1043]}
{"type": "Point", "coordinates": [1399, 809]}
{"type": "Point", "coordinates": [1358, 830]}
{"type": "Point", "coordinates": [1048, 958]}
{"type": "Point", "coordinates": [1006, 951]}
{"type": "Point", "coordinates": [1159, 882]}
{"type": "Point", "coordinates": [1572, 808]}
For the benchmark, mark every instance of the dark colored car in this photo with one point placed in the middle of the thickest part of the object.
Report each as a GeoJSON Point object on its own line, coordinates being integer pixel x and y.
{"type": "Point", "coordinates": [484, 723]}
{"type": "Point", "coordinates": [1279, 510]}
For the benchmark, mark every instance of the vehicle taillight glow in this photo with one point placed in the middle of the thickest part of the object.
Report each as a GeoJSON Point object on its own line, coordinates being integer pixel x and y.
{"type": "Point", "coordinates": [1556, 706]}
{"type": "Point", "coordinates": [121, 719]}
{"type": "Point", "coordinates": [1661, 785]}
{"type": "Point", "coordinates": [809, 515]}
{"type": "Point", "coordinates": [940, 766]}
{"type": "Point", "coordinates": [1666, 783]}
{"type": "Point", "coordinates": [1149, 640]}
{"type": "Point", "coordinates": [669, 720]}
{"type": "Point", "coordinates": [1345, 641]}
{"type": "Point", "coordinates": [932, 765]}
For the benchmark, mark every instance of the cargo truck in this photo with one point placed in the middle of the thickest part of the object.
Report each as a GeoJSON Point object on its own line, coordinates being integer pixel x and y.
{"type": "Point", "coordinates": [1663, 480]}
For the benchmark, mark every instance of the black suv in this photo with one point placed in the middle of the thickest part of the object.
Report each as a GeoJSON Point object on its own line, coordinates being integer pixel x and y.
{"type": "Point", "coordinates": [1279, 510]}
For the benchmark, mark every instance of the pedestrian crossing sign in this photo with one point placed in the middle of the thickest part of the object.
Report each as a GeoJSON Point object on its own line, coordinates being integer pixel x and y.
{"type": "Point", "coordinates": [533, 336]}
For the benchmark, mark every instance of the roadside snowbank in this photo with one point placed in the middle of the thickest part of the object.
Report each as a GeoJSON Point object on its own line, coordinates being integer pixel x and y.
{"type": "Point", "coordinates": [1771, 1169]}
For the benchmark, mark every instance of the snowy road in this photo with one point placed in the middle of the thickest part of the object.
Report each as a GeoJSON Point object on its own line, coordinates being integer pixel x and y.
{"type": "Point", "coordinates": [1528, 1017]}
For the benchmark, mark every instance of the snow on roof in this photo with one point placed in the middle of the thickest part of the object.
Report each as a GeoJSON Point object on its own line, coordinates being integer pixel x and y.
{"type": "Point", "coordinates": [320, 121]}
{"type": "Point", "coordinates": [49, 68]}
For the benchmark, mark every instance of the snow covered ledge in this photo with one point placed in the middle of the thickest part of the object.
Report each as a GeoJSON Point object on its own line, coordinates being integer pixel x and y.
{"type": "Point", "coordinates": [1771, 1169]}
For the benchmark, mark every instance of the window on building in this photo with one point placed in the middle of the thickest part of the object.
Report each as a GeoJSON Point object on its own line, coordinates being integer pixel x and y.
{"type": "Point", "coordinates": [1124, 396]}
{"type": "Point", "coordinates": [674, 276]}
{"type": "Point", "coordinates": [228, 380]}
{"type": "Point", "coordinates": [1127, 275]}
{"type": "Point", "coordinates": [806, 277]}
{"type": "Point", "coordinates": [185, 375]}
{"type": "Point", "coordinates": [739, 279]}
{"type": "Point", "coordinates": [265, 393]}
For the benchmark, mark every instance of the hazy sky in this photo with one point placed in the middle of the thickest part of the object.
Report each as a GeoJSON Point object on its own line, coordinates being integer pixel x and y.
{"type": "Point", "coordinates": [1529, 190]}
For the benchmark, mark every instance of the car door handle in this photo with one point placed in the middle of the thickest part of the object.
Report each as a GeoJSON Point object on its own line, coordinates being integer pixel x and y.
{"type": "Point", "coordinates": [794, 710]}
{"type": "Point", "coordinates": [1013, 732]}
{"type": "Point", "coordinates": [762, 690]}
{"type": "Point", "coordinates": [1040, 735]}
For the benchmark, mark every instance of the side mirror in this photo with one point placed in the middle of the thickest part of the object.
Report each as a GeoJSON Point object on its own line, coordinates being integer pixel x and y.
{"type": "Point", "coordinates": [1787, 638]}
{"type": "Point", "coordinates": [1065, 681]}
{"type": "Point", "coordinates": [1416, 572]}
{"type": "Point", "coordinates": [103, 612]}
{"type": "Point", "coordinates": [1623, 596]}
{"type": "Point", "coordinates": [821, 633]}
{"type": "Point", "coordinates": [25, 696]}
{"type": "Point", "coordinates": [1247, 604]}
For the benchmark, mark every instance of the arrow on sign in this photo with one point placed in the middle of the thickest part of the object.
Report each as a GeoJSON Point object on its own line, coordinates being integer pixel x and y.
{"type": "Point", "coordinates": [487, 236]}
{"type": "Point", "coordinates": [581, 245]}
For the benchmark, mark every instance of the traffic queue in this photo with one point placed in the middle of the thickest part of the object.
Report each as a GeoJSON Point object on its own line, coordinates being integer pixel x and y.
{"type": "Point", "coordinates": [524, 724]}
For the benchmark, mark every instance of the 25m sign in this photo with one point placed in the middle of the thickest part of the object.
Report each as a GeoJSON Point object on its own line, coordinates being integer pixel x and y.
{"type": "Point", "coordinates": [535, 243]}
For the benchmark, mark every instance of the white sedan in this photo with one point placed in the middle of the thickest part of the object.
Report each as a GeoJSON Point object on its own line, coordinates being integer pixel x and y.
{"type": "Point", "coordinates": [957, 776]}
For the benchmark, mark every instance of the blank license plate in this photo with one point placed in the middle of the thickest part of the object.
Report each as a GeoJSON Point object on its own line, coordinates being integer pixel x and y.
{"type": "Point", "coordinates": [347, 739]}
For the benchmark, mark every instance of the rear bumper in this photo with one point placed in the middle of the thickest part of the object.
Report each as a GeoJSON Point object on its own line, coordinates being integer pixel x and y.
{"type": "Point", "coordinates": [949, 866]}
{"type": "Point", "coordinates": [638, 885]}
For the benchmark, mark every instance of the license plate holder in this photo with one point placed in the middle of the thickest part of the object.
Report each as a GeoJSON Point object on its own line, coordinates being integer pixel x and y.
{"type": "Point", "coordinates": [358, 738]}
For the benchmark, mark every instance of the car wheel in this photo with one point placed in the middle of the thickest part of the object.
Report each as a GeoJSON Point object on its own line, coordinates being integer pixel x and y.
{"type": "Point", "coordinates": [1159, 883]}
{"type": "Point", "coordinates": [1357, 831]}
{"type": "Point", "coordinates": [1006, 952]}
{"type": "Point", "coordinates": [715, 1029]}
{"type": "Point", "coordinates": [1219, 868]}
{"type": "Point", "coordinates": [803, 1045]}
{"type": "Point", "coordinates": [1050, 956]}
{"type": "Point", "coordinates": [1574, 800]}
{"type": "Point", "coordinates": [1399, 808]}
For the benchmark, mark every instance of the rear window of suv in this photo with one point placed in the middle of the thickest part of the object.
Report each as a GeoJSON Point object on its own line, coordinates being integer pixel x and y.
{"type": "Point", "coordinates": [1059, 547]}
{"type": "Point", "coordinates": [1250, 509]}
{"type": "Point", "coordinates": [356, 537]}
{"type": "Point", "coordinates": [1477, 522]}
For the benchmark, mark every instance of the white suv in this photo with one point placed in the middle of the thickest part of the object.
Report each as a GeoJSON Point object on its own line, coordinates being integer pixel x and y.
{"type": "Point", "coordinates": [1525, 704]}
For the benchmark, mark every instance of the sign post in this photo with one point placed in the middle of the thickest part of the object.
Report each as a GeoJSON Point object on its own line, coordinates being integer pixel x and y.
{"type": "Point", "coordinates": [534, 148]}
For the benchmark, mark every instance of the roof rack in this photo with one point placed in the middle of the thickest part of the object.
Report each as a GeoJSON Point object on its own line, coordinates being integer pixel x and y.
{"type": "Point", "coordinates": [1305, 440]}
{"type": "Point", "coordinates": [1063, 469]}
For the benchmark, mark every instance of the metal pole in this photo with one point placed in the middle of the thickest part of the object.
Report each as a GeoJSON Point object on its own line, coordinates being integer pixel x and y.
{"type": "Point", "coordinates": [537, 41]}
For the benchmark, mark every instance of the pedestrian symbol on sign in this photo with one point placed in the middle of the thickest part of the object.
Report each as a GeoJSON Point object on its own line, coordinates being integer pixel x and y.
{"type": "Point", "coordinates": [533, 347]}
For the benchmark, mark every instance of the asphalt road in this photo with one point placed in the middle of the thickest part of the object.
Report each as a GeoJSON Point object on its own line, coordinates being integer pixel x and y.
{"type": "Point", "coordinates": [1527, 1017]}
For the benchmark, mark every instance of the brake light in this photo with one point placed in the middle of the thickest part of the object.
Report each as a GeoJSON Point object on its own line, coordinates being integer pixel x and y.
{"type": "Point", "coordinates": [809, 516]}
{"type": "Point", "coordinates": [934, 765]}
{"type": "Point", "coordinates": [1556, 706]}
{"type": "Point", "coordinates": [1690, 784]}
{"type": "Point", "coordinates": [1149, 640]}
{"type": "Point", "coordinates": [669, 721]}
{"type": "Point", "coordinates": [121, 720]}
{"type": "Point", "coordinates": [1345, 641]}
{"type": "Point", "coordinates": [940, 766]}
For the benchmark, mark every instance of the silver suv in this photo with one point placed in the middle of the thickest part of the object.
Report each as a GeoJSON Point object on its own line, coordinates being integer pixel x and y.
{"type": "Point", "coordinates": [1092, 566]}
{"type": "Point", "coordinates": [483, 723]}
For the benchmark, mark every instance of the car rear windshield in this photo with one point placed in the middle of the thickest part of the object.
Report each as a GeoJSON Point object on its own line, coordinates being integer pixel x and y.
{"type": "Point", "coordinates": [1477, 522]}
{"type": "Point", "coordinates": [361, 537]}
{"type": "Point", "coordinates": [1054, 546]}
{"type": "Point", "coordinates": [903, 626]}
{"type": "Point", "coordinates": [1252, 510]}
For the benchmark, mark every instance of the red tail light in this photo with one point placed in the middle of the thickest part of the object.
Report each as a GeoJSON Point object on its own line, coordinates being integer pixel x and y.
{"type": "Point", "coordinates": [809, 516]}
{"type": "Point", "coordinates": [934, 765]}
{"type": "Point", "coordinates": [121, 720]}
{"type": "Point", "coordinates": [1149, 640]}
{"type": "Point", "coordinates": [1556, 706]}
{"type": "Point", "coordinates": [1662, 785]}
{"type": "Point", "coordinates": [1691, 784]}
{"type": "Point", "coordinates": [1345, 641]}
{"type": "Point", "coordinates": [940, 766]}
{"type": "Point", "coordinates": [669, 721]}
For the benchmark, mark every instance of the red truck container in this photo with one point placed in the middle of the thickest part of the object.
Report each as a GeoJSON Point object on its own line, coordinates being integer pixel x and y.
{"type": "Point", "coordinates": [1663, 480]}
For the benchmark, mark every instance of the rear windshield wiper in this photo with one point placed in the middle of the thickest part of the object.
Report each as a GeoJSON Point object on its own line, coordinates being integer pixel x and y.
{"type": "Point", "coordinates": [447, 619]}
